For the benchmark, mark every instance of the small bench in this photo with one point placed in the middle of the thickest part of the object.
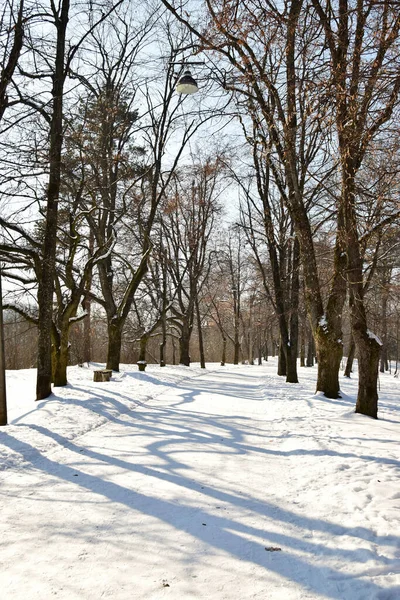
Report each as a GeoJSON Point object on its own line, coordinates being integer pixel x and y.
{"type": "Point", "coordinates": [103, 375]}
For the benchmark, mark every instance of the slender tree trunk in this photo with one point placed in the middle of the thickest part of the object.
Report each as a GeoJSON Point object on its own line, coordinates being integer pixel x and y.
{"type": "Point", "coordinates": [302, 347]}
{"type": "Point", "coordinates": [173, 351]}
{"type": "Point", "coordinates": [223, 357]}
{"type": "Point", "coordinates": [46, 281]}
{"type": "Point", "coordinates": [236, 344]}
{"type": "Point", "coordinates": [87, 307]}
{"type": "Point", "coordinates": [200, 334]}
{"type": "Point", "coordinates": [384, 350]}
{"type": "Point", "coordinates": [163, 344]}
{"type": "Point", "coordinates": [3, 397]}
{"type": "Point", "coordinates": [350, 359]}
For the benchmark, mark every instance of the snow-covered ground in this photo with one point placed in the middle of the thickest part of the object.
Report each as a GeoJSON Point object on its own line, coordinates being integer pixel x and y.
{"type": "Point", "coordinates": [177, 483]}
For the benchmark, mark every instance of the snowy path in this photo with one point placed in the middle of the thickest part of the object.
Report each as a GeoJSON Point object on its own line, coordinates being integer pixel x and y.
{"type": "Point", "coordinates": [190, 495]}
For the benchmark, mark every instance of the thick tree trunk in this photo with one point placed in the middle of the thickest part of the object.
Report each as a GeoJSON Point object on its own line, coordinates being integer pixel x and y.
{"type": "Point", "coordinates": [60, 357]}
{"type": "Point", "coordinates": [114, 344]}
{"type": "Point", "coordinates": [329, 352]}
{"type": "Point", "coordinates": [310, 349]}
{"type": "Point", "coordinates": [368, 350]}
{"type": "Point", "coordinates": [162, 352]}
{"type": "Point", "coordinates": [143, 347]}
{"type": "Point", "coordinates": [184, 343]}
{"type": "Point", "coordinates": [281, 361]}
{"type": "Point", "coordinates": [291, 365]}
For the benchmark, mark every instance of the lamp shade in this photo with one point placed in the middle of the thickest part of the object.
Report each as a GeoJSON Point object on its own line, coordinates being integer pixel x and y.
{"type": "Point", "coordinates": [186, 84]}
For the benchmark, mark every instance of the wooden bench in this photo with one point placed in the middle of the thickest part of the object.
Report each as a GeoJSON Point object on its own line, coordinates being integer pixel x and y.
{"type": "Point", "coordinates": [102, 375]}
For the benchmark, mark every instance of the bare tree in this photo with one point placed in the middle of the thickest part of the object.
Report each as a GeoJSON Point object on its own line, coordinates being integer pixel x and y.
{"type": "Point", "coordinates": [11, 36]}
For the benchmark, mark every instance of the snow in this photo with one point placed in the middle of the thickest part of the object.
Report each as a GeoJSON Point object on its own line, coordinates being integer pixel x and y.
{"type": "Point", "coordinates": [180, 483]}
{"type": "Point", "coordinates": [373, 336]}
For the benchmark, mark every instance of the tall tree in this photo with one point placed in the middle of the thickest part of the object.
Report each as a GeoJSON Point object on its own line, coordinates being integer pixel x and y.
{"type": "Point", "coordinates": [362, 38]}
{"type": "Point", "coordinates": [11, 37]}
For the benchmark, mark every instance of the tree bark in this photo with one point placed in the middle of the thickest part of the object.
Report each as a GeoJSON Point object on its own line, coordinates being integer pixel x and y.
{"type": "Point", "coordinates": [329, 357]}
{"type": "Point", "coordinates": [282, 369]}
{"type": "Point", "coordinates": [368, 350]}
{"type": "Point", "coordinates": [60, 351]}
{"type": "Point", "coordinates": [143, 347]}
{"type": "Point", "coordinates": [310, 349]}
{"type": "Point", "coordinates": [184, 343]}
{"type": "Point", "coordinates": [114, 344]}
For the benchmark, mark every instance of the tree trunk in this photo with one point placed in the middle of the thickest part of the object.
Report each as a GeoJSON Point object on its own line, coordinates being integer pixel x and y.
{"type": "Point", "coordinates": [329, 352]}
{"type": "Point", "coordinates": [115, 327]}
{"type": "Point", "coordinates": [223, 357]}
{"type": "Point", "coordinates": [173, 351]}
{"type": "Point", "coordinates": [384, 349]}
{"type": "Point", "coordinates": [46, 281]}
{"type": "Point", "coordinates": [87, 307]}
{"type": "Point", "coordinates": [310, 349]}
{"type": "Point", "coordinates": [143, 347]}
{"type": "Point", "coordinates": [368, 350]}
{"type": "Point", "coordinates": [302, 347]}
{"type": "Point", "coordinates": [281, 361]}
{"type": "Point", "coordinates": [200, 334]}
{"type": "Point", "coordinates": [60, 357]}
{"type": "Point", "coordinates": [163, 343]}
{"type": "Point", "coordinates": [3, 396]}
{"type": "Point", "coordinates": [87, 350]}
{"type": "Point", "coordinates": [184, 343]}
{"type": "Point", "coordinates": [350, 359]}
{"type": "Point", "coordinates": [291, 365]}
{"type": "Point", "coordinates": [236, 343]}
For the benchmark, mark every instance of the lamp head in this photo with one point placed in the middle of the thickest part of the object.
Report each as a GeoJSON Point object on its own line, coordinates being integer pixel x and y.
{"type": "Point", "coordinates": [186, 84]}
